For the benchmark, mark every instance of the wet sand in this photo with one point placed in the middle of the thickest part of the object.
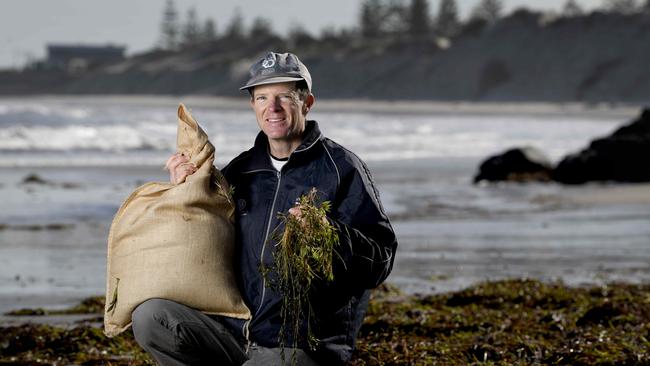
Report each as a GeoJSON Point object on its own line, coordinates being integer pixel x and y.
{"type": "Point", "coordinates": [451, 234]}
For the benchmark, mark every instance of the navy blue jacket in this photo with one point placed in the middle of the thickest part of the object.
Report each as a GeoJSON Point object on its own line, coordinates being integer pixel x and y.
{"type": "Point", "coordinates": [367, 241]}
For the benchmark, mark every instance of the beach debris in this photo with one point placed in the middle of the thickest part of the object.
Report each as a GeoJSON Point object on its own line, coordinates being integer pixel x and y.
{"type": "Point", "coordinates": [37, 227]}
{"type": "Point", "coordinates": [69, 185]}
{"type": "Point", "coordinates": [27, 311]}
{"type": "Point", "coordinates": [34, 178]}
{"type": "Point", "coordinates": [304, 253]}
{"type": "Point", "coordinates": [599, 314]}
{"type": "Point", "coordinates": [90, 305]}
{"type": "Point", "coordinates": [522, 164]}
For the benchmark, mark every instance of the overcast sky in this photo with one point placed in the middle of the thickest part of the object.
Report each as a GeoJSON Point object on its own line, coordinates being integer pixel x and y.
{"type": "Point", "coordinates": [26, 26]}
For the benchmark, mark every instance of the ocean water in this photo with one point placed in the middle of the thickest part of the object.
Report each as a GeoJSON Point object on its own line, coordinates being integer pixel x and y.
{"type": "Point", "coordinates": [92, 152]}
{"type": "Point", "coordinates": [109, 132]}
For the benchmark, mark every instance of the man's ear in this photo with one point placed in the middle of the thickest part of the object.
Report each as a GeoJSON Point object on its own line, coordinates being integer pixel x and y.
{"type": "Point", "coordinates": [251, 92]}
{"type": "Point", "coordinates": [309, 102]}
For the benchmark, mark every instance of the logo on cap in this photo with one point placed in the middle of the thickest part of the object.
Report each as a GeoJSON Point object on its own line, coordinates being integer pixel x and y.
{"type": "Point", "coordinates": [269, 61]}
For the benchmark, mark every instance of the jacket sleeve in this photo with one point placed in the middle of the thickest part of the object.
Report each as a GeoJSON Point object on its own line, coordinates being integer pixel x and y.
{"type": "Point", "coordinates": [367, 240]}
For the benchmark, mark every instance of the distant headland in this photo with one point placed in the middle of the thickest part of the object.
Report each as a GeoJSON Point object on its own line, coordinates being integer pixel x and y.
{"type": "Point", "coordinates": [525, 56]}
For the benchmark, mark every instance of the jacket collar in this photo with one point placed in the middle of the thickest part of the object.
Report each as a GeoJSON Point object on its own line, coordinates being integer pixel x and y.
{"type": "Point", "coordinates": [260, 159]}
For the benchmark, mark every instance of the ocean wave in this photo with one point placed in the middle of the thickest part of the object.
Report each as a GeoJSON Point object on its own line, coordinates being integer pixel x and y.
{"type": "Point", "coordinates": [46, 132]}
{"type": "Point", "coordinates": [40, 115]}
{"type": "Point", "coordinates": [82, 137]}
{"type": "Point", "coordinates": [93, 159]}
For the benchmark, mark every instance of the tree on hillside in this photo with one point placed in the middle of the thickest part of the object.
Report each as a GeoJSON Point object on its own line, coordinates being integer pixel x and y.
{"type": "Point", "coordinates": [209, 31]}
{"type": "Point", "coordinates": [371, 18]}
{"type": "Point", "coordinates": [379, 18]}
{"type": "Point", "coordinates": [299, 37]}
{"type": "Point", "coordinates": [330, 38]}
{"type": "Point", "coordinates": [447, 23]}
{"type": "Point", "coordinates": [261, 29]}
{"type": "Point", "coordinates": [418, 20]}
{"type": "Point", "coordinates": [235, 29]}
{"type": "Point", "coordinates": [396, 18]}
{"type": "Point", "coordinates": [488, 10]}
{"type": "Point", "coordinates": [572, 9]}
{"type": "Point", "coordinates": [169, 27]}
{"type": "Point", "coordinates": [621, 6]}
{"type": "Point", "coordinates": [646, 6]}
{"type": "Point", "coordinates": [191, 35]}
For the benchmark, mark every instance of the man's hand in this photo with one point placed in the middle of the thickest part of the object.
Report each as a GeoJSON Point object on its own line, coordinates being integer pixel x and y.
{"type": "Point", "coordinates": [179, 168]}
{"type": "Point", "coordinates": [296, 211]}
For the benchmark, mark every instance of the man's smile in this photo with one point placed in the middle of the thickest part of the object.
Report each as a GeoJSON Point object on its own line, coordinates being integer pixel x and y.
{"type": "Point", "coordinates": [275, 120]}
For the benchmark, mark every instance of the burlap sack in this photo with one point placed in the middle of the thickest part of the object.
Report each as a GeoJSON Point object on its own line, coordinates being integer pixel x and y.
{"type": "Point", "coordinates": [175, 242]}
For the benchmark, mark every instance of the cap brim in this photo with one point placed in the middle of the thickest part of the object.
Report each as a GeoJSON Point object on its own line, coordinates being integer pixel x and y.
{"type": "Point", "coordinates": [279, 79]}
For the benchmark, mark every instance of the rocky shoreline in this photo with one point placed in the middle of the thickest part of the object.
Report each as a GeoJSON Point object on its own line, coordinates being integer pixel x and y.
{"type": "Point", "coordinates": [615, 158]}
{"type": "Point", "coordinates": [499, 323]}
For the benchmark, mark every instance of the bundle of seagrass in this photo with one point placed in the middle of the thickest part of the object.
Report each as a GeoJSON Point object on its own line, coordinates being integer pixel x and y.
{"type": "Point", "coordinates": [304, 253]}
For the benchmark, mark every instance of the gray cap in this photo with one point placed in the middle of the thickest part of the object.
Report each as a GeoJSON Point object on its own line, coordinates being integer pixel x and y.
{"type": "Point", "coordinates": [277, 68]}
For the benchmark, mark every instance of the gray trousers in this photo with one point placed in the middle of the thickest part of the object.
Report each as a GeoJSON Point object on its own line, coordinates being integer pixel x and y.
{"type": "Point", "coordinates": [174, 334]}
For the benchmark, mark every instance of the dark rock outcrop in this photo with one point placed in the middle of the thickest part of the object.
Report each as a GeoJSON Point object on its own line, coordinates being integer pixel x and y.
{"type": "Point", "coordinates": [524, 164]}
{"type": "Point", "coordinates": [623, 156]}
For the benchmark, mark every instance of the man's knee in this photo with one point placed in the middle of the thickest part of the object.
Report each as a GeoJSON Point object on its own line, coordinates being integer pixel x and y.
{"type": "Point", "coordinates": [169, 330]}
{"type": "Point", "coordinates": [149, 318]}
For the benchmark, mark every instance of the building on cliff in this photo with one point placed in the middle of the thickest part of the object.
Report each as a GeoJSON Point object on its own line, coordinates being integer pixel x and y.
{"type": "Point", "coordinates": [79, 58]}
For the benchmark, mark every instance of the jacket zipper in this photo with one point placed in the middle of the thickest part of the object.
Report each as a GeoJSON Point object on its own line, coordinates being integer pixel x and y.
{"type": "Point", "coordinates": [245, 331]}
{"type": "Point", "coordinates": [245, 327]}
{"type": "Point", "coordinates": [266, 237]}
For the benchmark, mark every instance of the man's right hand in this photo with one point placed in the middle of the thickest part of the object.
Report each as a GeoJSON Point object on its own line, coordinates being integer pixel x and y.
{"type": "Point", "coordinates": [179, 168]}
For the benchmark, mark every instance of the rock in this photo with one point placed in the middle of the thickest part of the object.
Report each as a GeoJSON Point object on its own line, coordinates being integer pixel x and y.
{"type": "Point", "coordinates": [620, 157]}
{"type": "Point", "coordinates": [600, 314]}
{"type": "Point", "coordinates": [524, 164]}
{"type": "Point", "coordinates": [34, 179]}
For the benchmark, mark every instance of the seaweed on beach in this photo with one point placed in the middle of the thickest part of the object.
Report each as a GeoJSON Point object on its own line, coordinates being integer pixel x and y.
{"type": "Point", "coordinates": [90, 305]}
{"type": "Point", "coordinates": [81, 345]}
{"type": "Point", "coordinates": [511, 322]}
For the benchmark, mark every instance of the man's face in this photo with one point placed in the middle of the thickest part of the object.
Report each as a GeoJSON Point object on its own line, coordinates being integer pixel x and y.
{"type": "Point", "coordinates": [279, 111]}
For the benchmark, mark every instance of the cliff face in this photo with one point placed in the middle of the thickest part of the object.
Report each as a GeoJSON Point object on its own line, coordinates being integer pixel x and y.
{"type": "Point", "coordinates": [596, 57]}
{"type": "Point", "coordinates": [600, 57]}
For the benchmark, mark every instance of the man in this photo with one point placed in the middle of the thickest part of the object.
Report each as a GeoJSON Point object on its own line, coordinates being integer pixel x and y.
{"type": "Point", "coordinates": [289, 158]}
